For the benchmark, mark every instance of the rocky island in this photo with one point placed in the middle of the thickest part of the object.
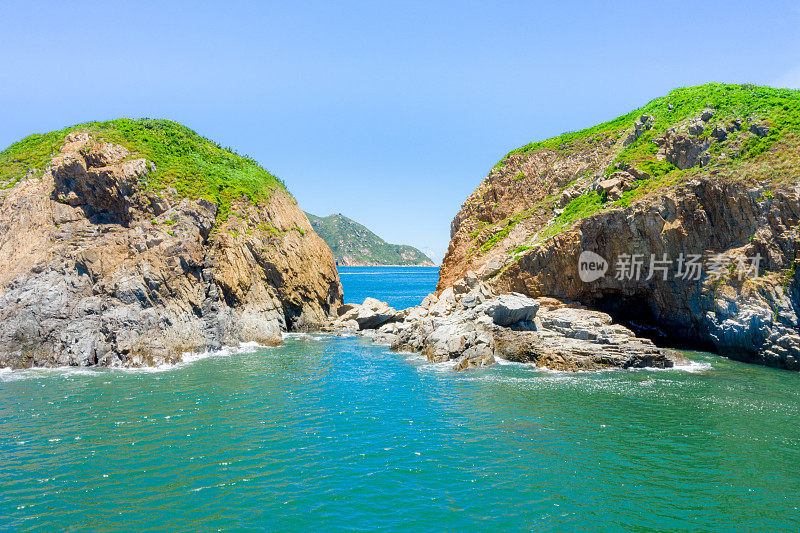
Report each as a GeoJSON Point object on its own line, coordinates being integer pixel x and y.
{"type": "Point", "coordinates": [676, 223]}
{"type": "Point", "coordinates": [353, 244]}
{"type": "Point", "coordinates": [688, 208]}
{"type": "Point", "coordinates": [130, 242]}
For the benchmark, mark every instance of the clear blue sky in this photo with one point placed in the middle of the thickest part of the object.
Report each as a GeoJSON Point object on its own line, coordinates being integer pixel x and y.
{"type": "Point", "coordinates": [390, 113]}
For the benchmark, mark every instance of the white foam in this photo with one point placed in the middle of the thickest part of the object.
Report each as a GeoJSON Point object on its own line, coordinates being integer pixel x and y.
{"type": "Point", "coordinates": [35, 372]}
{"type": "Point", "coordinates": [444, 366]}
{"type": "Point", "coordinates": [693, 367]}
{"type": "Point", "coordinates": [414, 357]}
{"type": "Point", "coordinates": [503, 362]}
{"type": "Point", "coordinates": [187, 358]}
{"type": "Point", "coordinates": [313, 336]}
{"type": "Point", "coordinates": [295, 335]}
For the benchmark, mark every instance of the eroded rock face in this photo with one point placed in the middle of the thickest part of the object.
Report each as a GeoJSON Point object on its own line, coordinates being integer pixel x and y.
{"type": "Point", "coordinates": [521, 186]}
{"type": "Point", "coordinates": [525, 226]}
{"type": "Point", "coordinates": [94, 270]}
{"type": "Point", "coordinates": [752, 318]}
{"type": "Point", "coordinates": [471, 325]}
{"type": "Point", "coordinates": [683, 151]}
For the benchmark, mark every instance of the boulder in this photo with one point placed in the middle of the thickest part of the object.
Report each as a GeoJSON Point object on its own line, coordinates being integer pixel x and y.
{"type": "Point", "coordinates": [509, 309]}
{"type": "Point", "coordinates": [465, 284]}
{"type": "Point", "coordinates": [642, 124]}
{"type": "Point", "coordinates": [343, 309]}
{"type": "Point", "coordinates": [369, 315]}
{"type": "Point", "coordinates": [707, 115]}
{"type": "Point", "coordinates": [507, 326]}
{"type": "Point", "coordinates": [719, 132]}
{"type": "Point", "coordinates": [762, 130]}
{"type": "Point", "coordinates": [696, 128]}
{"type": "Point", "coordinates": [555, 352]}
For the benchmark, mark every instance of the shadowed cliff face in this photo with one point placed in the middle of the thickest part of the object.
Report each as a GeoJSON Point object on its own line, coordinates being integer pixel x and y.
{"type": "Point", "coordinates": [752, 318]}
{"type": "Point", "coordinates": [715, 182]}
{"type": "Point", "coordinates": [96, 270]}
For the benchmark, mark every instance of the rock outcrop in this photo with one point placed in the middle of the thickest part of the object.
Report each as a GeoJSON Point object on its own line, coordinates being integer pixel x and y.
{"type": "Point", "coordinates": [706, 175]}
{"type": "Point", "coordinates": [739, 314]}
{"type": "Point", "coordinates": [98, 269]}
{"type": "Point", "coordinates": [471, 325]}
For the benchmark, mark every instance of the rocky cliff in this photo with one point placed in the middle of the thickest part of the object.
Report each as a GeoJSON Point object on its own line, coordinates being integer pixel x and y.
{"type": "Point", "coordinates": [131, 242]}
{"type": "Point", "coordinates": [689, 207]}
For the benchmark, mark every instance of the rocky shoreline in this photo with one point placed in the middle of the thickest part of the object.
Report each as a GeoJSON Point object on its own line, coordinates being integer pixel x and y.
{"type": "Point", "coordinates": [472, 325]}
{"type": "Point", "coordinates": [127, 243]}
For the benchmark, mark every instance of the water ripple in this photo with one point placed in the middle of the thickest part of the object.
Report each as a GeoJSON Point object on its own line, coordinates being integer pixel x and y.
{"type": "Point", "coordinates": [338, 433]}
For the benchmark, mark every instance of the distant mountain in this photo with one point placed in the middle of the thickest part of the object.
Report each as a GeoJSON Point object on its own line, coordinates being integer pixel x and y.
{"type": "Point", "coordinates": [354, 245]}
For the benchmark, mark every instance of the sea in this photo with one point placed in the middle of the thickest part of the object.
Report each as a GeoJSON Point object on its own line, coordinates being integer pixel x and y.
{"type": "Point", "coordinates": [330, 433]}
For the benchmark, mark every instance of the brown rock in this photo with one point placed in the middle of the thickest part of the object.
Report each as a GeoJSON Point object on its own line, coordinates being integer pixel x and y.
{"type": "Point", "coordinates": [746, 209]}
{"type": "Point", "coordinates": [96, 271]}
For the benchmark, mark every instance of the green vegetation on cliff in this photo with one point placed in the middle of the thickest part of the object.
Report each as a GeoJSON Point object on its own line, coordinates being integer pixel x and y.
{"type": "Point", "coordinates": [353, 244]}
{"type": "Point", "coordinates": [194, 166]}
{"type": "Point", "coordinates": [720, 132]}
{"type": "Point", "coordinates": [779, 107]}
{"type": "Point", "coordinates": [744, 132]}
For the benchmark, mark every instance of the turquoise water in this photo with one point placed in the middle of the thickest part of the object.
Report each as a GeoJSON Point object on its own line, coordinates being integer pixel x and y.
{"type": "Point", "coordinates": [399, 287]}
{"type": "Point", "coordinates": [330, 433]}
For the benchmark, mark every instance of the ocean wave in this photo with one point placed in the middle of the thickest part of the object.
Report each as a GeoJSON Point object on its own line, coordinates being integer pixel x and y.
{"type": "Point", "coordinates": [295, 335]}
{"type": "Point", "coordinates": [505, 362]}
{"type": "Point", "coordinates": [319, 336]}
{"type": "Point", "coordinates": [9, 374]}
{"type": "Point", "coordinates": [444, 366]}
{"type": "Point", "coordinates": [693, 367]}
{"type": "Point", "coordinates": [187, 358]}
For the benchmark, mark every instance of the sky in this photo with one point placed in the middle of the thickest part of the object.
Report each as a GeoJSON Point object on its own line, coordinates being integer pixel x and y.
{"type": "Point", "coordinates": [390, 113]}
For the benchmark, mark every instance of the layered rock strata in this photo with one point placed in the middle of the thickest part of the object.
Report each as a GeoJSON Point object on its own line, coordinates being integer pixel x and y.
{"type": "Point", "coordinates": [707, 174]}
{"type": "Point", "coordinates": [97, 270]}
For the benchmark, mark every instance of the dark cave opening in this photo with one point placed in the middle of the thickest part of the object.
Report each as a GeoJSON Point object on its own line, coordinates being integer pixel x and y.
{"type": "Point", "coordinates": [635, 313]}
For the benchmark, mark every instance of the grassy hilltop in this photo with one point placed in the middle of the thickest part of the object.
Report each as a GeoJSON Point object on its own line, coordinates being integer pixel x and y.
{"type": "Point", "coordinates": [779, 107]}
{"type": "Point", "coordinates": [194, 166]}
{"type": "Point", "coordinates": [773, 157]}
